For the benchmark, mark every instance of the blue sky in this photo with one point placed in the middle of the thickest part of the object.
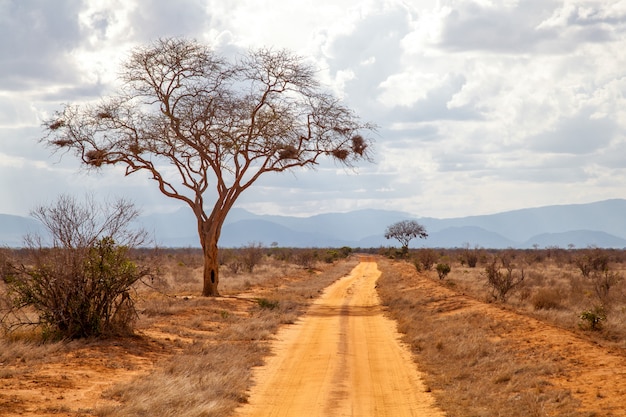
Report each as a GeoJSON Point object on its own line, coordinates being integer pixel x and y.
{"type": "Point", "coordinates": [482, 106]}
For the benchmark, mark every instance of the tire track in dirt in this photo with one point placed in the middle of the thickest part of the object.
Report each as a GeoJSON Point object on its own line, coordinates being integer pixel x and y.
{"type": "Point", "coordinates": [343, 358]}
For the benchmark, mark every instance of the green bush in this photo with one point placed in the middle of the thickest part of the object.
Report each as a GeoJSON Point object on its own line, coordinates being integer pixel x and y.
{"type": "Point", "coordinates": [267, 304]}
{"type": "Point", "coordinates": [331, 256]}
{"type": "Point", "coordinates": [443, 270]}
{"type": "Point", "coordinates": [592, 319]}
{"type": "Point", "coordinates": [80, 284]}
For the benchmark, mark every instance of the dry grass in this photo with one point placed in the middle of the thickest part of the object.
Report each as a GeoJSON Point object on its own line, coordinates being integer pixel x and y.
{"type": "Point", "coordinates": [469, 367]}
{"type": "Point", "coordinates": [204, 380]}
{"type": "Point", "coordinates": [554, 291]}
{"type": "Point", "coordinates": [484, 357]}
{"type": "Point", "coordinates": [27, 348]}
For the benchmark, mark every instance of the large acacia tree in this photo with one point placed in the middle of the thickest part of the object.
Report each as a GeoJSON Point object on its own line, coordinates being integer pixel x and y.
{"type": "Point", "coordinates": [197, 122]}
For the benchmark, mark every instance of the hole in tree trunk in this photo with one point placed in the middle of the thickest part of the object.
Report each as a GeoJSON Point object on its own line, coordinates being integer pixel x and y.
{"type": "Point", "coordinates": [212, 277]}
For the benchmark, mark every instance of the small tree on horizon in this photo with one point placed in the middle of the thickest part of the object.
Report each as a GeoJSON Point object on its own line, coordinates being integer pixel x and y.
{"type": "Point", "coordinates": [404, 231]}
{"type": "Point", "coordinates": [195, 121]}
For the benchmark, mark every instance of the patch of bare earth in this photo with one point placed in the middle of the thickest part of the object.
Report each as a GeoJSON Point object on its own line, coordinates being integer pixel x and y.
{"type": "Point", "coordinates": [70, 381]}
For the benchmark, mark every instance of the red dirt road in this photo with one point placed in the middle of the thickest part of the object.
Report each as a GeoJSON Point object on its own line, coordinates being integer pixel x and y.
{"type": "Point", "coordinates": [343, 359]}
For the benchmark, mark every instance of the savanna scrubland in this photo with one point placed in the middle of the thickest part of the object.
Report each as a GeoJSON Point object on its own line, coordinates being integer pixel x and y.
{"type": "Point", "coordinates": [551, 344]}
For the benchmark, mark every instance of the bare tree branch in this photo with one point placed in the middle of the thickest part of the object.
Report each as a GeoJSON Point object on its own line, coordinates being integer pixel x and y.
{"type": "Point", "coordinates": [193, 120]}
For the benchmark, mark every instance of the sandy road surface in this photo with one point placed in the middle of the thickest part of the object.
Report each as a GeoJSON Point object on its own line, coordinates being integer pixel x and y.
{"type": "Point", "coordinates": [342, 359]}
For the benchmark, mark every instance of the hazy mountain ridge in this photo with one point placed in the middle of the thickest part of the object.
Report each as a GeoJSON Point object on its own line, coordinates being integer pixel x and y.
{"type": "Point", "coordinates": [601, 224]}
{"type": "Point", "coordinates": [522, 225]}
{"type": "Point", "coordinates": [14, 228]}
{"type": "Point", "coordinates": [589, 237]}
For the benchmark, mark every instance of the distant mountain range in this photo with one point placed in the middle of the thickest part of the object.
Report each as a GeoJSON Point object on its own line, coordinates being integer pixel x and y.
{"type": "Point", "coordinates": [601, 224]}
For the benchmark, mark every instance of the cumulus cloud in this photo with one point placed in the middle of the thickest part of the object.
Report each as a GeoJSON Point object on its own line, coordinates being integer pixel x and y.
{"type": "Point", "coordinates": [152, 19]}
{"type": "Point", "coordinates": [580, 134]}
{"type": "Point", "coordinates": [36, 39]}
{"type": "Point", "coordinates": [371, 51]}
{"type": "Point", "coordinates": [497, 27]}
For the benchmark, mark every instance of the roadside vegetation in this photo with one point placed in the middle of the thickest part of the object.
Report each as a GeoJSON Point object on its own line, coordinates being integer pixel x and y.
{"type": "Point", "coordinates": [560, 286]}
{"type": "Point", "coordinates": [465, 350]}
{"type": "Point", "coordinates": [199, 352]}
{"type": "Point", "coordinates": [575, 289]}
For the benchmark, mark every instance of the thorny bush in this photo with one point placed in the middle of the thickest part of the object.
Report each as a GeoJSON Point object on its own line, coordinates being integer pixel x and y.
{"type": "Point", "coordinates": [501, 276]}
{"type": "Point", "coordinates": [74, 292]}
{"type": "Point", "coordinates": [81, 283]}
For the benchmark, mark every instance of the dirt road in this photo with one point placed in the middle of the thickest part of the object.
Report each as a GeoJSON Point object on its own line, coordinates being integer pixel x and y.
{"type": "Point", "coordinates": [343, 359]}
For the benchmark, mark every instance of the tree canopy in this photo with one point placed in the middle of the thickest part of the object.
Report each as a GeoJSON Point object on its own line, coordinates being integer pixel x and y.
{"type": "Point", "coordinates": [196, 121]}
{"type": "Point", "coordinates": [404, 231]}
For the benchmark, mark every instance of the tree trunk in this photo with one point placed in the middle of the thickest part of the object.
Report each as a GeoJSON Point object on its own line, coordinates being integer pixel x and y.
{"type": "Point", "coordinates": [209, 230]}
{"type": "Point", "coordinates": [211, 268]}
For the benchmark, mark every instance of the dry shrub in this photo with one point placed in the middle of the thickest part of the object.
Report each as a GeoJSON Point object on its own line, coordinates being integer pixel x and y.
{"type": "Point", "coordinates": [425, 259]}
{"type": "Point", "coordinates": [469, 256]}
{"type": "Point", "coordinates": [547, 299]}
{"type": "Point", "coordinates": [306, 258]}
{"type": "Point", "coordinates": [502, 277]}
{"type": "Point", "coordinates": [251, 255]}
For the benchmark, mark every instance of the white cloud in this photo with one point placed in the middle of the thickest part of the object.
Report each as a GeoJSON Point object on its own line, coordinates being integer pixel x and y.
{"type": "Point", "coordinates": [483, 105]}
{"type": "Point", "coordinates": [37, 39]}
{"type": "Point", "coordinates": [407, 88]}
